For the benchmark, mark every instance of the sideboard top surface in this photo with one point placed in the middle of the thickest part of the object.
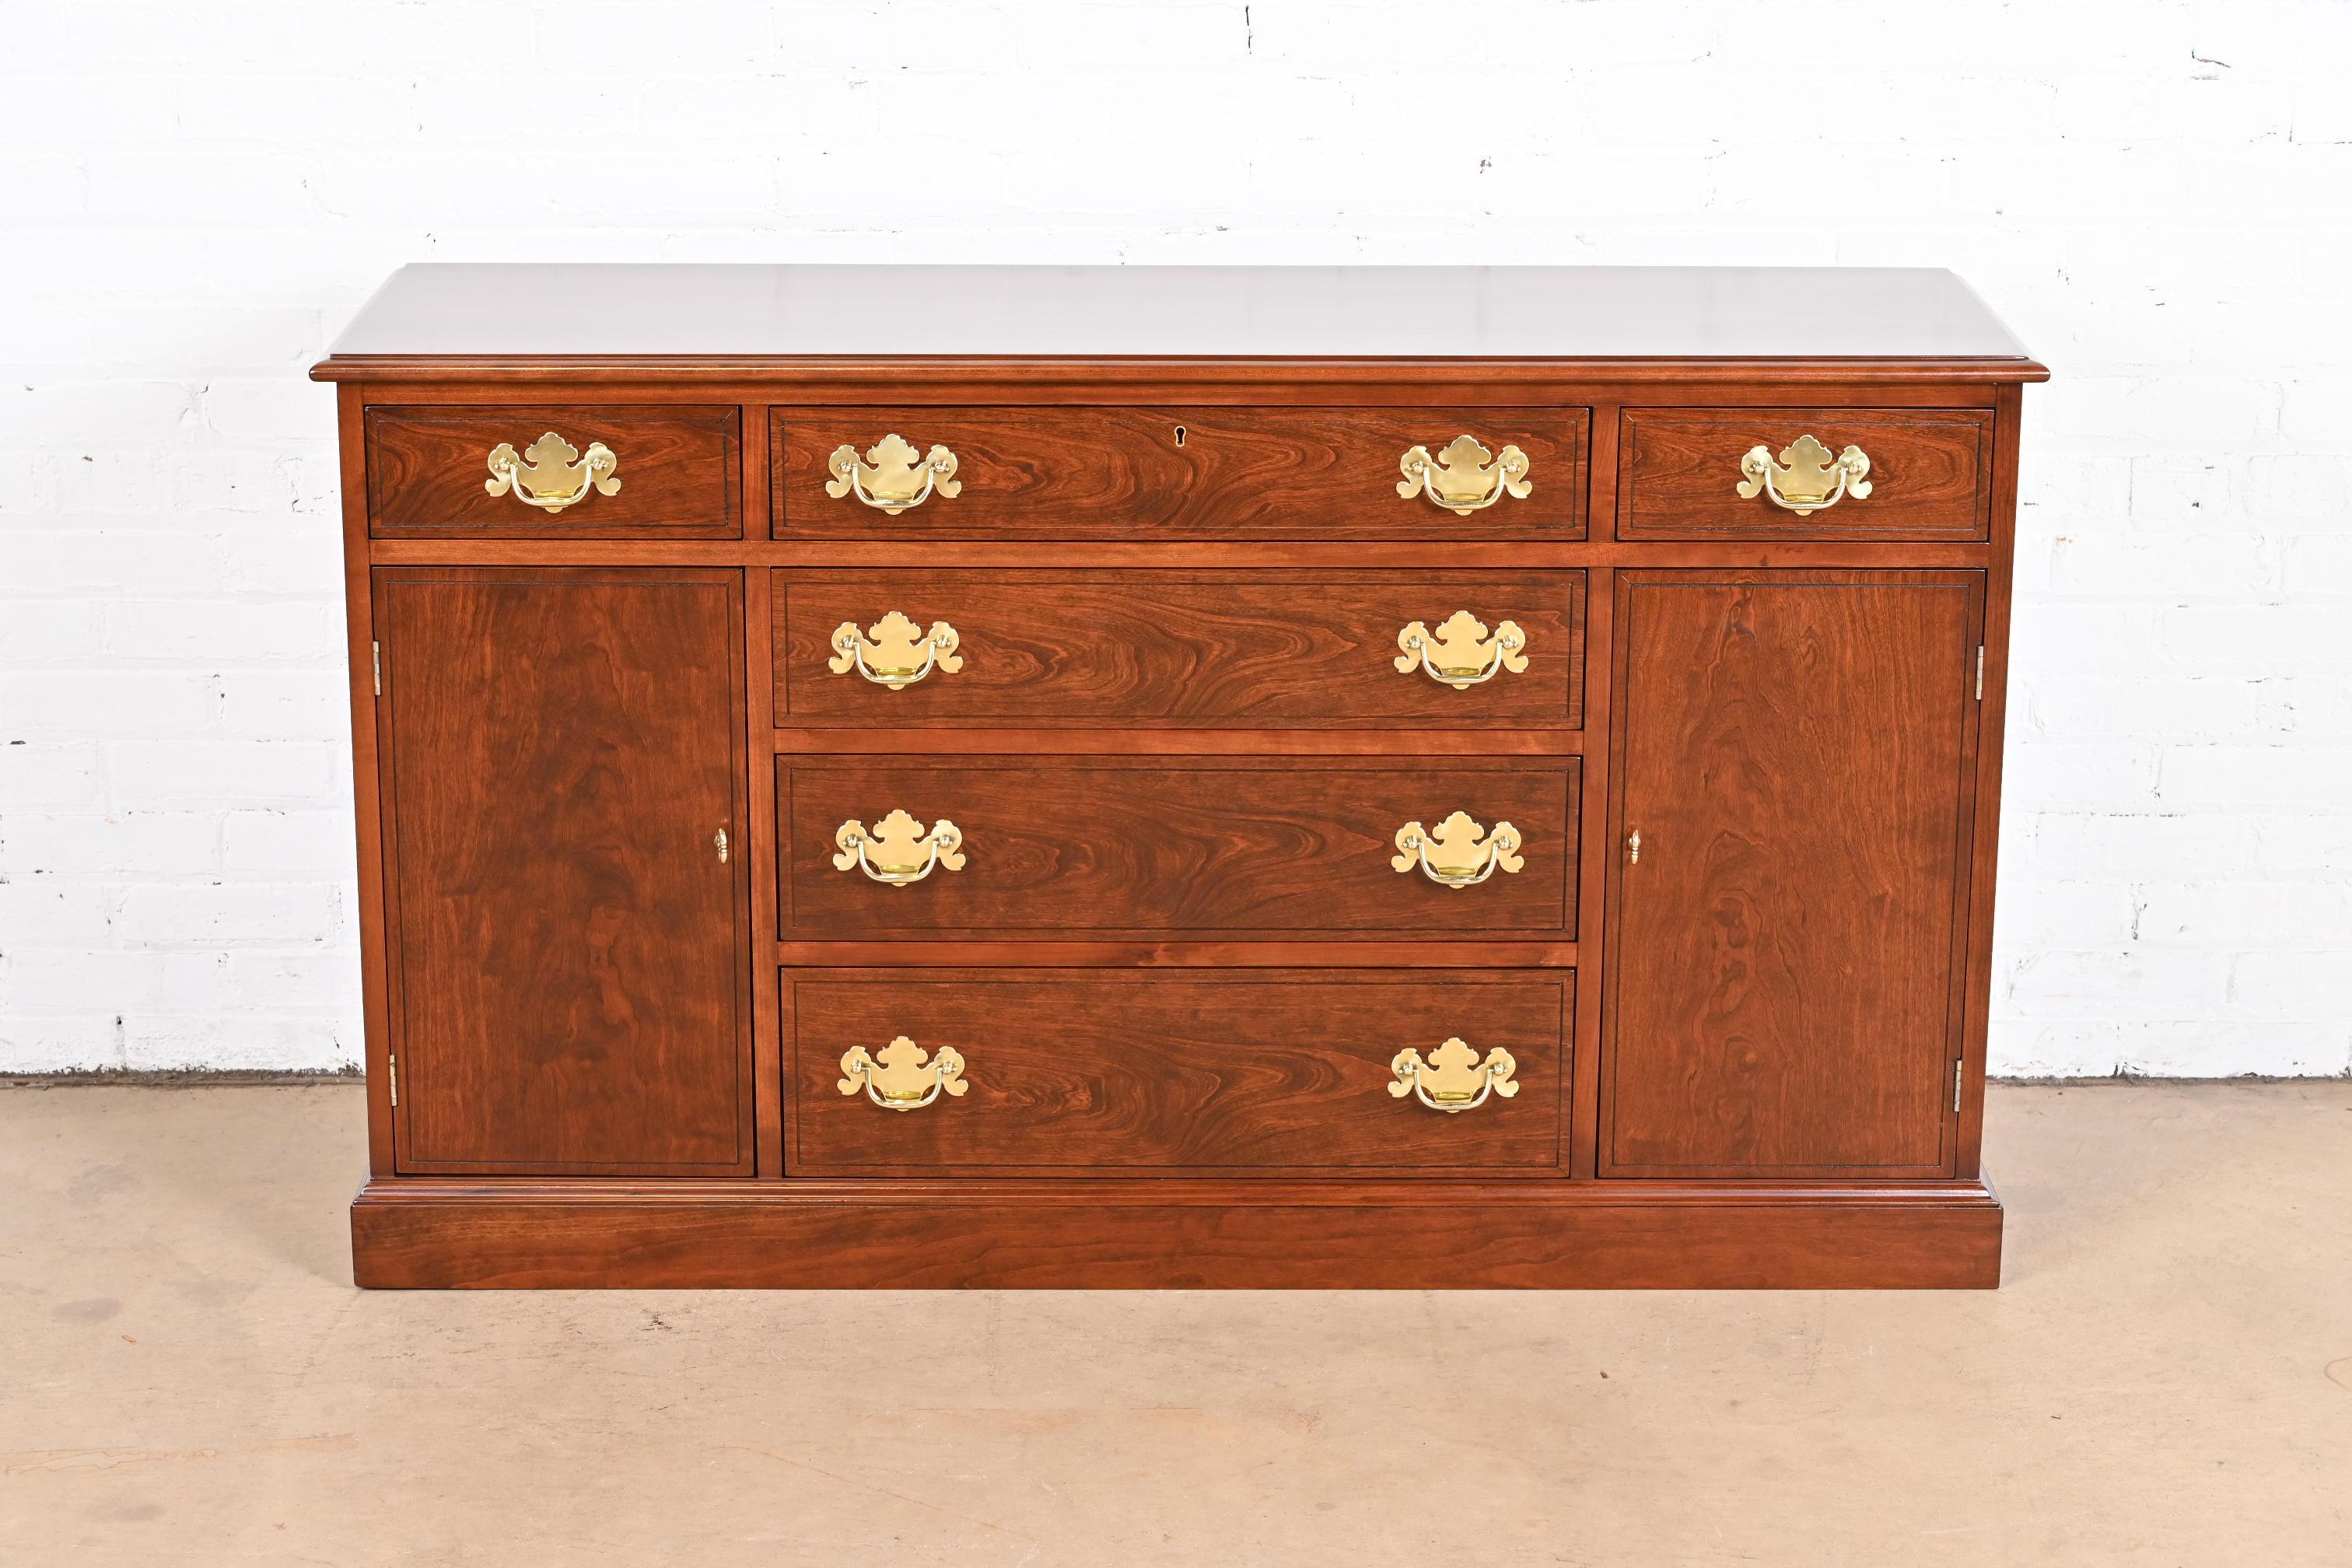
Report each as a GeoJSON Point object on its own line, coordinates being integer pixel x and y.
{"type": "Point", "coordinates": [502, 312]}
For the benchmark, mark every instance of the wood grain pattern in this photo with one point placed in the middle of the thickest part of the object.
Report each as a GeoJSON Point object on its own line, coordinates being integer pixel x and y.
{"type": "Point", "coordinates": [679, 471]}
{"type": "Point", "coordinates": [1793, 750]}
{"type": "Point", "coordinates": [1265, 646]}
{"type": "Point", "coordinates": [1031, 1234]}
{"type": "Point", "coordinates": [1120, 473]}
{"type": "Point", "coordinates": [1110, 846]}
{"type": "Point", "coordinates": [568, 951]}
{"type": "Point", "coordinates": [1930, 473]}
{"type": "Point", "coordinates": [1139, 1074]}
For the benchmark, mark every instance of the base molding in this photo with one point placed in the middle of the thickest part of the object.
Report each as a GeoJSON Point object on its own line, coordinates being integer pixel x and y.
{"type": "Point", "coordinates": [839, 1234]}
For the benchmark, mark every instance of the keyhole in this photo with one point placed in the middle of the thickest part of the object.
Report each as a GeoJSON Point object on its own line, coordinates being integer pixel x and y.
{"type": "Point", "coordinates": [1180, 435]}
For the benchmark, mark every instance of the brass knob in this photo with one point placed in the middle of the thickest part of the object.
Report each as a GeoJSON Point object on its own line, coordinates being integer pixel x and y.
{"type": "Point", "coordinates": [1454, 1079]}
{"type": "Point", "coordinates": [1460, 654]}
{"type": "Point", "coordinates": [1459, 854]}
{"type": "Point", "coordinates": [893, 475]}
{"type": "Point", "coordinates": [898, 850]}
{"type": "Point", "coordinates": [886, 652]}
{"type": "Point", "coordinates": [1806, 479]}
{"type": "Point", "coordinates": [553, 474]}
{"type": "Point", "coordinates": [902, 1077]}
{"type": "Point", "coordinates": [1464, 477]}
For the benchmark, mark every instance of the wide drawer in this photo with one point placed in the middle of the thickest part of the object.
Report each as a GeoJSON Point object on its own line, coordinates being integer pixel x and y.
{"type": "Point", "coordinates": [1251, 848]}
{"type": "Point", "coordinates": [1178, 473]}
{"type": "Point", "coordinates": [574, 471]}
{"type": "Point", "coordinates": [1804, 473]}
{"type": "Point", "coordinates": [932, 1071]}
{"type": "Point", "coordinates": [873, 649]}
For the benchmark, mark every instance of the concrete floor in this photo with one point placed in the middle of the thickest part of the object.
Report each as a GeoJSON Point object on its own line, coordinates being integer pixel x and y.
{"type": "Point", "coordinates": [187, 1377]}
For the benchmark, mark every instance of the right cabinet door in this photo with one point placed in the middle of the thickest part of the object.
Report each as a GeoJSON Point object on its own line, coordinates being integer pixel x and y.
{"type": "Point", "coordinates": [1796, 750]}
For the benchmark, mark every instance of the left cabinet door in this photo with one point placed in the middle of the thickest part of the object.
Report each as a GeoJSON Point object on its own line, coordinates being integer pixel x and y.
{"type": "Point", "coordinates": [566, 937]}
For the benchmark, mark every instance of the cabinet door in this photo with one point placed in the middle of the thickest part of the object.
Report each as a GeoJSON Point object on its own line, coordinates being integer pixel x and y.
{"type": "Point", "coordinates": [1786, 961]}
{"type": "Point", "coordinates": [567, 948]}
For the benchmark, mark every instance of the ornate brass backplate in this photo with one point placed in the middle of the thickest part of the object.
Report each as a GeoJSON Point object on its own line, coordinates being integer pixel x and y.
{"type": "Point", "coordinates": [1459, 854]}
{"type": "Point", "coordinates": [894, 476]}
{"type": "Point", "coordinates": [1807, 478]}
{"type": "Point", "coordinates": [898, 850]}
{"type": "Point", "coordinates": [902, 1077]}
{"type": "Point", "coordinates": [1464, 477]}
{"type": "Point", "coordinates": [552, 474]}
{"type": "Point", "coordinates": [1454, 1079]}
{"type": "Point", "coordinates": [893, 652]}
{"type": "Point", "coordinates": [1459, 653]}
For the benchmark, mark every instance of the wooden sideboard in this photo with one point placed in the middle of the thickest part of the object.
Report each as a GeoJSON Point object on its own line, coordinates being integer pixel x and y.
{"type": "Point", "coordinates": [1135, 776]}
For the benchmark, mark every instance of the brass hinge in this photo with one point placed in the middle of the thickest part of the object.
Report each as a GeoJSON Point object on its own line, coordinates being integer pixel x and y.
{"type": "Point", "coordinates": [376, 658]}
{"type": "Point", "coordinates": [391, 1075]}
{"type": "Point", "coordinates": [1979, 672]}
{"type": "Point", "coordinates": [1956, 1087]}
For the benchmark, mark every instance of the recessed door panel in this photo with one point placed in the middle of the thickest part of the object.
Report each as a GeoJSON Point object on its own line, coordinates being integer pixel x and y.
{"type": "Point", "coordinates": [1796, 754]}
{"type": "Point", "coordinates": [567, 940]}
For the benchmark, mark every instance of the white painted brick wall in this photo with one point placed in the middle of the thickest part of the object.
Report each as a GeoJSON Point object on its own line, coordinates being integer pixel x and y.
{"type": "Point", "coordinates": [194, 197]}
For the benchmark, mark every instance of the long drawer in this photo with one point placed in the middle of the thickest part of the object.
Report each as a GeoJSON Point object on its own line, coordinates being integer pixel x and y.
{"type": "Point", "coordinates": [1179, 473]}
{"type": "Point", "coordinates": [933, 1072]}
{"type": "Point", "coordinates": [1253, 848]}
{"type": "Point", "coordinates": [1327, 649]}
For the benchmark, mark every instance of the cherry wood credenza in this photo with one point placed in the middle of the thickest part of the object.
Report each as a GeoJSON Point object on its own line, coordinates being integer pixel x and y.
{"type": "Point", "coordinates": [1152, 777]}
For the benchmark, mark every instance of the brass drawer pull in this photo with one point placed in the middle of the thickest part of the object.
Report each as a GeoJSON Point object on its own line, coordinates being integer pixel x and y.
{"type": "Point", "coordinates": [1806, 479]}
{"type": "Point", "coordinates": [902, 1078]}
{"type": "Point", "coordinates": [1454, 857]}
{"type": "Point", "coordinates": [1462, 479]}
{"type": "Point", "coordinates": [552, 474]}
{"type": "Point", "coordinates": [886, 653]}
{"type": "Point", "coordinates": [1460, 654]}
{"type": "Point", "coordinates": [903, 850]}
{"type": "Point", "coordinates": [894, 476]}
{"type": "Point", "coordinates": [1454, 1079]}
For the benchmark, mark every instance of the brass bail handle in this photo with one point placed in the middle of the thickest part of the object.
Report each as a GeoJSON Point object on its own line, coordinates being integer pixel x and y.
{"type": "Point", "coordinates": [902, 1076]}
{"type": "Point", "coordinates": [1459, 854]}
{"type": "Point", "coordinates": [898, 851]}
{"type": "Point", "coordinates": [1461, 653]}
{"type": "Point", "coordinates": [892, 477]}
{"type": "Point", "coordinates": [1463, 478]}
{"type": "Point", "coordinates": [1807, 478]}
{"type": "Point", "coordinates": [551, 473]}
{"type": "Point", "coordinates": [894, 652]}
{"type": "Point", "coordinates": [1454, 1079]}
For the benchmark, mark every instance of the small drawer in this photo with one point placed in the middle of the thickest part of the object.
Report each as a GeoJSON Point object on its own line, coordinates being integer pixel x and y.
{"type": "Point", "coordinates": [1177, 474]}
{"type": "Point", "coordinates": [1328, 649]}
{"type": "Point", "coordinates": [933, 1073]}
{"type": "Point", "coordinates": [568, 472]}
{"type": "Point", "coordinates": [1224, 847]}
{"type": "Point", "coordinates": [1805, 473]}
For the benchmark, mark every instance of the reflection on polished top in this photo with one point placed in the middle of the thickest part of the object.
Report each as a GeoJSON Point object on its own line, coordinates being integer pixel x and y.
{"type": "Point", "coordinates": [591, 311]}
